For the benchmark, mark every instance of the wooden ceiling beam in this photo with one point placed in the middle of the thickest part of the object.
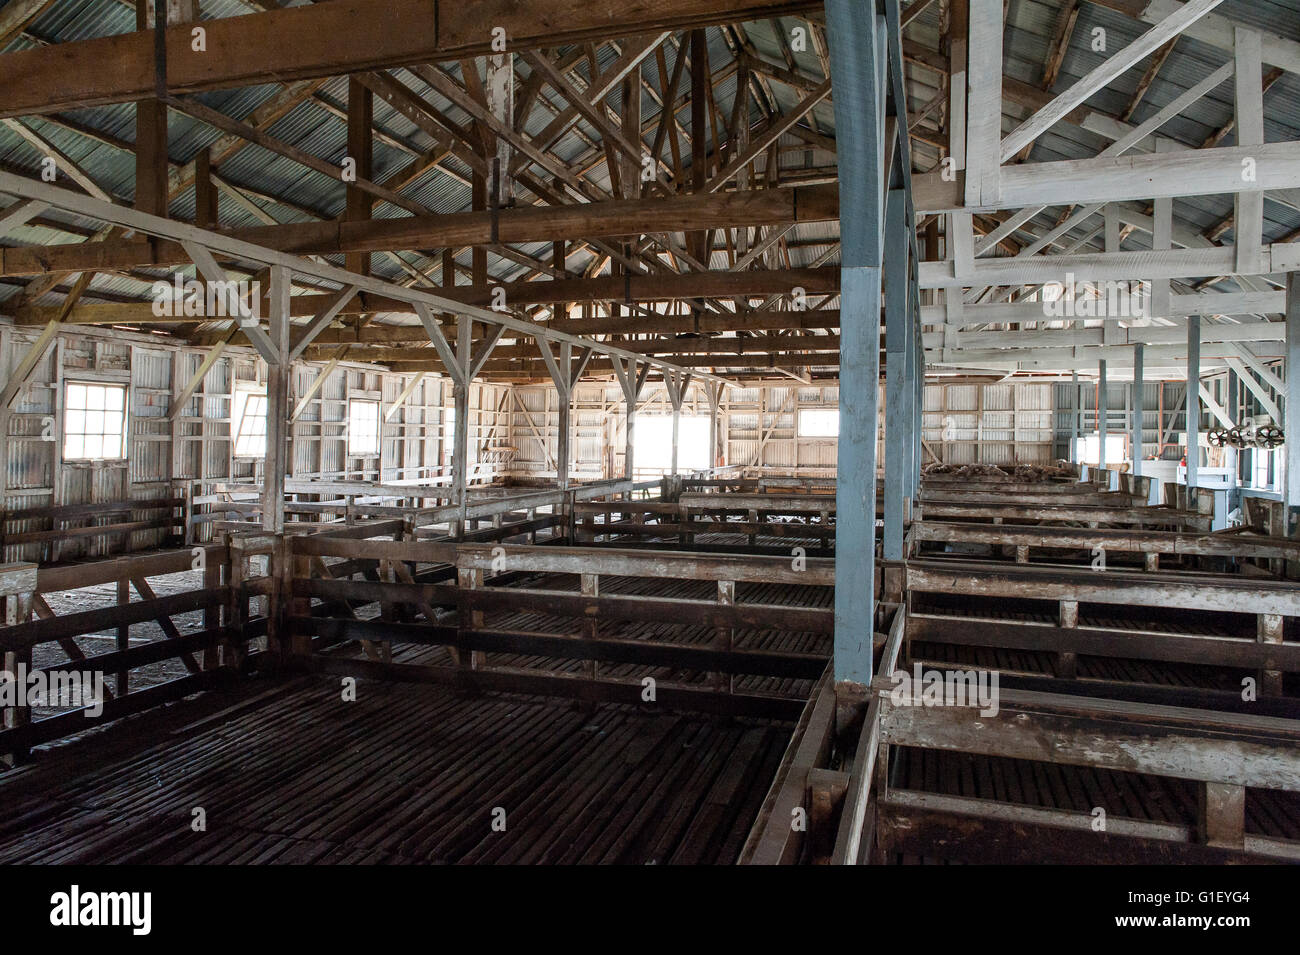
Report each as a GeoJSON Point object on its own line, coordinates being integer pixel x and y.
{"type": "Point", "coordinates": [345, 38]}
{"type": "Point", "coordinates": [533, 224]}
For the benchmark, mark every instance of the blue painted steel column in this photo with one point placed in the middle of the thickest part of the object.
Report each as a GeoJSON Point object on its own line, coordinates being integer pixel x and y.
{"type": "Point", "coordinates": [1136, 439]}
{"type": "Point", "coordinates": [1072, 451]}
{"type": "Point", "coordinates": [1231, 456]}
{"type": "Point", "coordinates": [918, 398]}
{"type": "Point", "coordinates": [1103, 414]}
{"type": "Point", "coordinates": [899, 390]}
{"type": "Point", "coordinates": [1193, 399]}
{"type": "Point", "coordinates": [857, 76]}
{"type": "Point", "coordinates": [1292, 409]}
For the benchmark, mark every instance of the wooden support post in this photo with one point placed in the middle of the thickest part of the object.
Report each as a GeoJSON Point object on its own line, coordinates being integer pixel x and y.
{"type": "Point", "coordinates": [470, 579]}
{"type": "Point", "coordinates": [1248, 219]}
{"type": "Point", "coordinates": [676, 383]}
{"type": "Point", "coordinates": [699, 240]}
{"type": "Point", "coordinates": [631, 380]}
{"type": "Point", "coordinates": [300, 569]}
{"type": "Point", "coordinates": [151, 166]}
{"type": "Point", "coordinates": [1067, 660]}
{"type": "Point", "coordinates": [360, 144]}
{"type": "Point", "coordinates": [276, 462]}
{"type": "Point", "coordinates": [460, 437]}
{"type": "Point", "coordinates": [725, 637]}
{"type": "Point", "coordinates": [590, 626]}
{"type": "Point", "coordinates": [206, 214]}
{"type": "Point", "coordinates": [713, 394]}
{"type": "Point", "coordinates": [1221, 819]}
{"type": "Point", "coordinates": [212, 614]}
{"type": "Point", "coordinates": [1269, 630]}
{"type": "Point", "coordinates": [17, 592]}
{"type": "Point", "coordinates": [236, 611]}
{"type": "Point", "coordinates": [123, 635]}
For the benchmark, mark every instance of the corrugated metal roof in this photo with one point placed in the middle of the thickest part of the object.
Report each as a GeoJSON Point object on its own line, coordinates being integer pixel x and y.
{"type": "Point", "coordinates": [301, 194]}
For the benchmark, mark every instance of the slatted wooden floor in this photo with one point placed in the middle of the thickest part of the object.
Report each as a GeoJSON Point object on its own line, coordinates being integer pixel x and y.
{"type": "Point", "coordinates": [409, 774]}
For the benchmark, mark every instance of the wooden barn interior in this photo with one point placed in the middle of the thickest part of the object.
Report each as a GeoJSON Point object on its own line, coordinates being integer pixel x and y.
{"type": "Point", "coordinates": [656, 431]}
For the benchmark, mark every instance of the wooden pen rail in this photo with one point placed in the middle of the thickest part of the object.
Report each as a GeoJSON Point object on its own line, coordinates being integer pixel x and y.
{"type": "Point", "coordinates": [1151, 545]}
{"type": "Point", "coordinates": [442, 594]}
{"type": "Point", "coordinates": [1265, 651]}
{"type": "Point", "coordinates": [116, 520]}
{"type": "Point", "coordinates": [1222, 755]}
{"type": "Point", "coordinates": [211, 656]}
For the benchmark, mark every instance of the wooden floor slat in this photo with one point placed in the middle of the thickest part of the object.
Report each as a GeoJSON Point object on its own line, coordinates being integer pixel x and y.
{"type": "Point", "coordinates": [411, 773]}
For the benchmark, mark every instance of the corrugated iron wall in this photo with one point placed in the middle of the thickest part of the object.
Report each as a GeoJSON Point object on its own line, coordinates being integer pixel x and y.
{"type": "Point", "coordinates": [192, 452]}
{"type": "Point", "coordinates": [1003, 424]}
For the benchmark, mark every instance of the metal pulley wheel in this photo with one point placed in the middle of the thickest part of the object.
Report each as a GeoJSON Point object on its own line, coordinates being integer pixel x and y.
{"type": "Point", "coordinates": [1269, 436]}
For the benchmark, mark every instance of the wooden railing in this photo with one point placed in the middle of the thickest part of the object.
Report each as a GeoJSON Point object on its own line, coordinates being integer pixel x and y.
{"type": "Point", "coordinates": [210, 656]}
{"type": "Point", "coordinates": [116, 521]}
{"type": "Point", "coordinates": [802, 518]}
{"type": "Point", "coordinates": [1170, 639]}
{"type": "Point", "coordinates": [1062, 544]}
{"type": "Point", "coordinates": [1222, 754]}
{"type": "Point", "coordinates": [441, 594]}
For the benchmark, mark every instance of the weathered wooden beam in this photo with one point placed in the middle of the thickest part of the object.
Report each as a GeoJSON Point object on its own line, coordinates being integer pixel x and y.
{"type": "Point", "coordinates": [346, 38]}
{"type": "Point", "coordinates": [528, 224]}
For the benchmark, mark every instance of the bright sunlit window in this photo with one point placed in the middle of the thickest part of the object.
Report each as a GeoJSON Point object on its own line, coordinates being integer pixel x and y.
{"type": "Point", "coordinates": [363, 428]}
{"type": "Point", "coordinates": [94, 423]}
{"type": "Point", "coordinates": [250, 424]}
{"type": "Point", "coordinates": [1086, 449]}
{"type": "Point", "coordinates": [448, 435]}
{"type": "Point", "coordinates": [653, 441]}
{"type": "Point", "coordinates": [1262, 468]}
{"type": "Point", "coordinates": [819, 423]}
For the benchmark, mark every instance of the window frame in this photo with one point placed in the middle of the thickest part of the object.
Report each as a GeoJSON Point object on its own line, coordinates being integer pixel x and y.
{"type": "Point", "coordinates": [124, 409]}
{"type": "Point", "coordinates": [354, 400]}
{"type": "Point", "coordinates": [237, 417]}
{"type": "Point", "coordinates": [799, 425]}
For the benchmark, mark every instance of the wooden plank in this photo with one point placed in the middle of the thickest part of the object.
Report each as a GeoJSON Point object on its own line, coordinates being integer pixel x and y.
{"type": "Point", "coordinates": [35, 632]}
{"type": "Point", "coordinates": [1130, 541]}
{"type": "Point", "coordinates": [1091, 733]}
{"type": "Point", "coordinates": [1114, 587]}
{"type": "Point", "coordinates": [804, 666]}
{"type": "Point", "coordinates": [774, 839]}
{"type": "Point", "coordinates": [980, 831]}
{"type": "Point", "coordinates": [1124, 644]}
{"type": "Point", "coordinates": [679, 564]}
{"type": "Point", "coordinates": [538, 684]}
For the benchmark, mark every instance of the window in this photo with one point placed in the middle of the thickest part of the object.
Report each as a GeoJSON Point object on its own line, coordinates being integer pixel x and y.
{"type": "Point", "coordinates": [1086, 450]}
{"type": "Point", "coordinates": [653, 443]}
{"type": "Point", "coordinates": [250, 423]}
{"type": "Point", "coordinates": [94, 424]}
{"type": "Point", "coordinates": [363, 428]}
{"type": "Point", "coordinates": [1262, 466]}
{"type": "Point", "coordinates": [448, 435]}
{"type": "Point", "coordinates": [819, 423]}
